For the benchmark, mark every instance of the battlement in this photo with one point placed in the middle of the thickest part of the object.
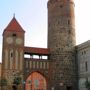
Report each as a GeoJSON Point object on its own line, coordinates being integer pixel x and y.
{"type": "Point", "coordinates": [60, 0]}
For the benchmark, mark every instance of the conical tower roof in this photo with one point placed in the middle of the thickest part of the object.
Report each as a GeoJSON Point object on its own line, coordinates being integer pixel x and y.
{"type": "Point", "coordinates": [14, 26]}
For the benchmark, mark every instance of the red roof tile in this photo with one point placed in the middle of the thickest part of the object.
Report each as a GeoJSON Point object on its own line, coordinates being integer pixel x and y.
{"type": "Point", "coordinates": [14, 26]}
{"type": "Point", "coordinates": [33, 50]}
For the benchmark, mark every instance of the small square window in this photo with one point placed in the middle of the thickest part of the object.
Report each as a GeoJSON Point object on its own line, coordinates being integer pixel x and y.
{"type": "Point", "coordinates": [82, 53]}
{"type": "Point", "coordinates": [86, 66]}
{"type": "Point", "coordinates": [68, 22]}
{"type": "Point", "coordinates": [14, 35]}
{"type": "Point", "coordinates": [61, 6]}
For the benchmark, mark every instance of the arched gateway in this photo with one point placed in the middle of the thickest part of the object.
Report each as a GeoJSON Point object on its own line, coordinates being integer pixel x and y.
{"type": "Point", "coordinates": [36, 81]}
{"type": "Point", "coordinates": [36, 69]}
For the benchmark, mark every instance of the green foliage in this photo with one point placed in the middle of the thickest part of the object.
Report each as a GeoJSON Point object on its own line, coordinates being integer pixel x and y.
{"type": "Point", "coordinates": [0, 82]}
{"type": "Point", "coordinates": [17, 80]}
{"type": "Point", "coordinates": [29, 81]}
{"type": "Point", "coordinates": [3, 82]}
{"type": "Point", "coordinates": [87, 84]}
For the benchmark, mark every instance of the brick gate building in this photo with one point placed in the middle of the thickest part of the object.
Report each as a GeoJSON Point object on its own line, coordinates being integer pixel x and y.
{"type": "Point", "coordinates": [52, 68]}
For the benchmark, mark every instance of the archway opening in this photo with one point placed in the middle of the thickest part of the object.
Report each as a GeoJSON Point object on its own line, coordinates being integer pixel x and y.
{"type": "Point", "coordinates": [36, 81]}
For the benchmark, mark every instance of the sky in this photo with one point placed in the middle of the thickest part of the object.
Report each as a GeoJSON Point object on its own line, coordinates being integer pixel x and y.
{"type": "Point", "coordinates": [32, 16]}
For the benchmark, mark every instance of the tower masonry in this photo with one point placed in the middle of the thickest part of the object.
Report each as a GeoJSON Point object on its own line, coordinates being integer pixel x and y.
{"type": "Point", "coordinates": [13, 50]}
{"type": "Point", "coordinates": [61, 42]}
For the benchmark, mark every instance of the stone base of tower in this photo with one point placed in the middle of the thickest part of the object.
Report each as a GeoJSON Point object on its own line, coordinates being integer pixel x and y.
{"type": "Point", "coordinates": [61, 86]}
{"type": "Point", "coordinates": [10, 87]}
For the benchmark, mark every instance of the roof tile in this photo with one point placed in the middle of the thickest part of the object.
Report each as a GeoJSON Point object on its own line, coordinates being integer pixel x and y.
{"type": "Point", "coordinates": [14, 26]}
{"type": "Point", "coordinates": [33, 50]}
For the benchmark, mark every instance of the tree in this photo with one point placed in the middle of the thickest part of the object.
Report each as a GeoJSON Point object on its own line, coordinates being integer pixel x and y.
{"type": "Point", "coordinates": [87, 84]}
{"type": "Point", "coordinates": [3, 83]}
{"type": "Point", "coordinates": [16, 82]}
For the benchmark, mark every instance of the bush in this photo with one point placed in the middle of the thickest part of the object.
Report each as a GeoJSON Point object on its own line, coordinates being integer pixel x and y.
{"type": "Point", "coordinates": [17, 80]}
{"type": "Point", "coordinates": [87, 84]}
{"type": "Point", "coordinates": [3, 82]}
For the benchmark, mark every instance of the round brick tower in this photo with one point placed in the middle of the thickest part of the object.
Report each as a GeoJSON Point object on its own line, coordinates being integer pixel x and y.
{"type": "Point", "coordinates": [61, 42]}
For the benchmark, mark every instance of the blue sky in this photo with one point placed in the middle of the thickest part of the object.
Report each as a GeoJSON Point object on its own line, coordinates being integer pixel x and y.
{"type": "Point", "coordinates": [32, 16]}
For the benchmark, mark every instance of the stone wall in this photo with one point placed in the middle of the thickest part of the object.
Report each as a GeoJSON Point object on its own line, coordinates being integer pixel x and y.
{"type": "Point", "coordinates": [83, 57]}
{"type": "Point", "coordinates": [0, 70]}
{"type": "Point", "coordinates": [61, 42]}
{"type": "Point", "coordinates": [0, 74]}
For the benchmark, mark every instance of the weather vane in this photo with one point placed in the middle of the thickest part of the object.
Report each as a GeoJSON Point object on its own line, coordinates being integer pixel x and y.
{"type": "Point", "coordinates": [14, 15]}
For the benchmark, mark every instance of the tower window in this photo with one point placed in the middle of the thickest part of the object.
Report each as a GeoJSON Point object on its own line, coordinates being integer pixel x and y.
{"type": "Point", "coordinates": [61, 6]}
{"type": "Point", "coordinates": [14, 35]}
{"type": "Point", "coordinates": [69, 88]}
{"type": "Point", "coordinates": [86, 66]}
{"type": "Point", "coordinates": [69, 31]}
{"type": "Point", "coordinates": [68, 22]}
{"type": "Point", "coordinates": [84, 52]}
{"type": "Point", "coordinates": [11, 54]}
